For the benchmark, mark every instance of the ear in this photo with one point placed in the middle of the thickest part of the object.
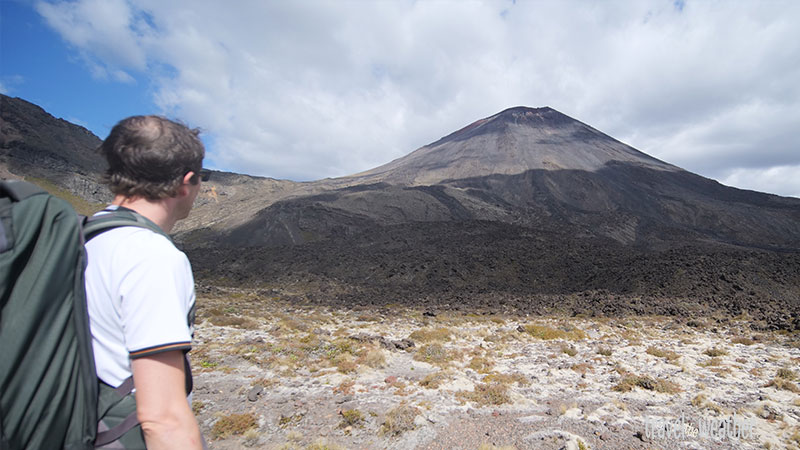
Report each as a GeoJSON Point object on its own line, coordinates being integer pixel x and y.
{"type": "Point", "coordinates": [187, 180]}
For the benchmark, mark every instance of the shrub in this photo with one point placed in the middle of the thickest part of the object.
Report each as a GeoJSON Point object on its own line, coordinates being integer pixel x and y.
{"type": "Point", "coordinates": [504, 378]}
{"type": "Point", "coordinates": [783, 384]}
{"type": "Point", "coordinates": [399, 420]}
{"type": "Point", "coordinates": [434, 353]}
{"type": "Point", "coordinates": [480, 364]}
{"type": "Point", "coordinates": [351, 417]}
{"type": "Point", "coordinates": [631, 381]}
{"type": "Point", "coordinates": [605, 351]}
{"type": "Point", "coordinates": [569, 350]}
{"type": "Point", "coordinates": [545, 332]}
{"type": "Point", "coordinates": [373, 357]}
{"type": "Point", "coordinates": [233, 424]}
{"type": "Point", "coordinates": [434, 380]}
{"type": "Point", "coordinates": [486, 394]}
{"type": "Point", "coordinates": [660, 353]}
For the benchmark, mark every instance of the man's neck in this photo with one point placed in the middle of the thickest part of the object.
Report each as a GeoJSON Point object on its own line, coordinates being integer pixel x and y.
{"type": "Point", "coordinates": [158, 211]}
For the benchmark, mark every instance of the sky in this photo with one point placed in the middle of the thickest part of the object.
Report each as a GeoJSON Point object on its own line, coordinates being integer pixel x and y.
{"type": "Point", "coordinates": [309, 89]}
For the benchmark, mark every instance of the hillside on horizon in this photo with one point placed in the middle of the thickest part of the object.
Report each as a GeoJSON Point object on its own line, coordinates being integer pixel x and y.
{"type": "Point", "coordinates": [527, 209]}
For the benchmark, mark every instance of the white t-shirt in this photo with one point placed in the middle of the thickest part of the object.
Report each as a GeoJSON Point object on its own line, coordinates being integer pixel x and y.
{"type": "Point", "coordinates": [140, 296]}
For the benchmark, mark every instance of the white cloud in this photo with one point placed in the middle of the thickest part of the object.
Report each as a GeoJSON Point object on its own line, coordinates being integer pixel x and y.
{"type": "Point", "coordinates": [780, 178]}
{"type": "Point", "coordinates": [310, 89]}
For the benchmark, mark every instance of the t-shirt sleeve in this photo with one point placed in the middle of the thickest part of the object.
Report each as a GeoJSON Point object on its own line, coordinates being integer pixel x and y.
{"type": "Point", "coordinates": [157, 293]}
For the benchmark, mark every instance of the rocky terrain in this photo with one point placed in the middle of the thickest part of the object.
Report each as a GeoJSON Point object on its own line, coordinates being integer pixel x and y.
{"type": "Point", "coordinates": [525, 211]}
{"type": "Point", "coordinates": [524, 282]}
{"type": "Point", "coordinates": [281, 374]}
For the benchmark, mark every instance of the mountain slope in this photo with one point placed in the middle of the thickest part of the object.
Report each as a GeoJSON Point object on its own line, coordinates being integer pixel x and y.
{"type": "Point", "coordinates": [34, 144]}
{"type": "Point", "coordinates": [533, 168]}
{"type": "Point", "coordinates": [511, 142]}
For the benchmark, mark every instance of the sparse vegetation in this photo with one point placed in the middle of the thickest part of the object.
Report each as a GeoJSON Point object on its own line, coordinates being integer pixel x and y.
{"type": "Point", "coordinates": [546, 332]}
{"type": "Point", "coordinates": [743, 340]}
{"type": "Point", "coordinates": [486, 394]}
{"type": "Point", "coordinates": [442, 334]}
{"type": "Point", "coordinates": [435, 353]}
{"type": "Point", "coordinates": [605, 351]}
{"type": "Point", "coordinates": [700, 401]}
{"type": "Point", "coordinates": [631, 381]}
{"type": "Point", "coordinates": [783, 384]}
{"type": "Point", "coordinates": [569, 350]}
{"type": "Point", "coordinates": [711, 362]}
{"type": "Point", "coordinates": [661, 353]}
{"type": "Point", "coordinates": [233, 424]}
{"type": "Point", "coordinates": [786, 374]}
{"type": "Point", "coordinates": [480, 364]}
{"type": "Point", "coordinates": [399, 420]}
{"type": "Point", "coordinates": [434, 380]}
{"type": "Point", "coordinates": [715, 352]}
{"type": "Point", "coordinates": [505, 378]}
{"type": "Point", "coordinates": [351, 418]}
{"type": "Point", "coordinates": [80, 205]}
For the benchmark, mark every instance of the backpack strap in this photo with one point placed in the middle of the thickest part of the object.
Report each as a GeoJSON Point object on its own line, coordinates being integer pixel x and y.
{"type": "Point", "coordinates": [122, 217]}
{"type": "Point", "coordinates": [107, 435]}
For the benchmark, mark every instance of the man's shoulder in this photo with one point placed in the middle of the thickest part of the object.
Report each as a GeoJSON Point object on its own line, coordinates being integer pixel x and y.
{"type": "Point", "coordinates": [134, 242]}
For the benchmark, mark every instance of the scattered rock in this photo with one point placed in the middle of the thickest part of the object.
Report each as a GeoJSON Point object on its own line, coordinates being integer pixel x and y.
{"type": "Point", "coordinates": [254, 393]}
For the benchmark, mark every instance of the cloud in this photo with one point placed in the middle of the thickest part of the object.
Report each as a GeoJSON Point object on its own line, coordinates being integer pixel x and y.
{"type": "Point", "coordinates": [308, 89]}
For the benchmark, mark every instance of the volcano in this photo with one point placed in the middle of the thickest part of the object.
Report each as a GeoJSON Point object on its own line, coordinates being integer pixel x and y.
{"type": "Point", "coordinates": [526, 211]}
{"type": "Point", "coordinates": [539, 169]}
{"type": "Point", "coordinates": [509, 143]}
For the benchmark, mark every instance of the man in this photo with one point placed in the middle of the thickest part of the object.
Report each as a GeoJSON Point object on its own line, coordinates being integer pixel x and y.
{"type": "Point", "coordinates": [139, 287]}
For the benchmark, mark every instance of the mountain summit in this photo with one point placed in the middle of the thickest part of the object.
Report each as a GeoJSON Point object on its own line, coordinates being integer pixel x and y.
{"type": "Point", "coordinates": [508, 143]}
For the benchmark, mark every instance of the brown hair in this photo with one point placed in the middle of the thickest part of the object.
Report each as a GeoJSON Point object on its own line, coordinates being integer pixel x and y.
{"type": "Point", "coordinates": [148, 156]}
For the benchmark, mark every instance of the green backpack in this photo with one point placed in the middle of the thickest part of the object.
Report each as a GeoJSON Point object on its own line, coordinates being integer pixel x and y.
{"type": "Point", "coordinates": [50, 396]}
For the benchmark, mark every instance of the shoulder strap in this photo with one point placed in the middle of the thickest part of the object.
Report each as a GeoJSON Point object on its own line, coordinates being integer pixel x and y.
{"type": "Point", "coordinates": [19, 190]}
{"type": "Point", "coordinates": [122, 217]}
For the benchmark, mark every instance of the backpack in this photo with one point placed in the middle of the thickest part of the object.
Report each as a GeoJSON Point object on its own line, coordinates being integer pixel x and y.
{"type": "Point", "coordinates": [50, 396]}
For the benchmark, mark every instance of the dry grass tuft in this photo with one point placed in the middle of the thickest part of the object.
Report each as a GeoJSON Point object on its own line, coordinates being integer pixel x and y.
{"type": "Point", "coordinates": [711, 362]}
{"type": "Point", "coordinates": [743, 340]}
{"type": "Point", "coordinates": [233, 424]}
{"type": "Point", "coordinates": [631, 381]}
{"type": "Point", "coordinates": [700, 401]}
{"type": "Point", "coordinates": [714, 352]}
{"type": "Point", "coordinates": [569, 350]}
{"type": "Point", "coordinates": [783, 384]}
{"type": "Point", "coordinates": [545, 332]}
{"type": "Point", "coordinates": [399, 420]}
{"type": "Point", "coordinates": [435, 353]}
{"type": "Point", "coordinates": [434, 380]}
{"type": "Point", "coordinates": [373, 357]}
{"type": "Point", "coordinates": [480, 364]}
{"type": "Point", "coordinates": [486, 394]}
{"type": "Point", "coordinates": [351, 418]}
{"type": "Point", "coordinates": [786, 374]}
{"type": "Point", "coordinates": [504, 378]}
{"type": "Point", "coordinates": [442, 334]}
{"type": "Point", "coordinates": [605, 351]}
{"type": "Point", "coordinates": [661, 353]}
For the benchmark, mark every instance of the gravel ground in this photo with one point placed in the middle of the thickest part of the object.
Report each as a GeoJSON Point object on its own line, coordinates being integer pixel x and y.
{"type": "Point", "coordinates": [313, 378]}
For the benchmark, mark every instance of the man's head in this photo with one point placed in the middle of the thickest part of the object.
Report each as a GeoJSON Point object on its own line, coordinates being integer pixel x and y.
{"type": "Point", "coordinates": [149, 157]}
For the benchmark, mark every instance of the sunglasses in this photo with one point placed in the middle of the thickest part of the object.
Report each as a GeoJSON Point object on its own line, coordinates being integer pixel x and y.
{"type": "Point", "coordinates": [204, 174]}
